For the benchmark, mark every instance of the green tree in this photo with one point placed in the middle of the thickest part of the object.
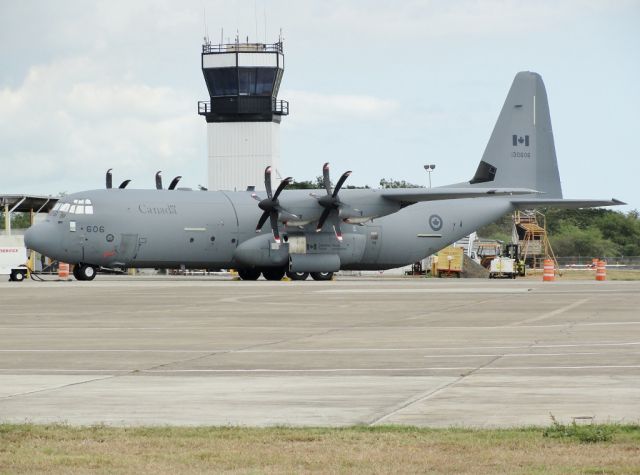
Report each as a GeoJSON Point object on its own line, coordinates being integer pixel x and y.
{"type": "Point", "coordinates": [570, 240]}
{"type": "Point", "coordinates": [18, 220]}
{"type": "Point", "coordinates": [391, 183]}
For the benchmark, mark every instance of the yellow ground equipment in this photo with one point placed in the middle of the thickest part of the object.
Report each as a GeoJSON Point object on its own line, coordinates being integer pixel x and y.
{"type": "Point", "coordinates": [450, 262]}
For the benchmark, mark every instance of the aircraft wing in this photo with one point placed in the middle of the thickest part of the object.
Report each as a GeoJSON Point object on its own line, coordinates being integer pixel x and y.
{"type": "Point", "coordinates": [561, 203]}
{"type": "Point", "coordinates": [415, 195]}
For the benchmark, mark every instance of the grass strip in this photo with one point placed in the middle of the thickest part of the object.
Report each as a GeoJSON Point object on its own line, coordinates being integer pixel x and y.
{"type": "Point", "coordinates": [598, 448]}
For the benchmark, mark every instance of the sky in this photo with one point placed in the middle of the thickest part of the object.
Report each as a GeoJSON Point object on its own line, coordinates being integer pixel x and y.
{"type": "Point", "coordinates": [377, 87]}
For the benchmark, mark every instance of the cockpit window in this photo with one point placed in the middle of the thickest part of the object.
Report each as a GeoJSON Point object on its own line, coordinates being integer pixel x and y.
{"type": "Point", "coordinates": [77, 207]}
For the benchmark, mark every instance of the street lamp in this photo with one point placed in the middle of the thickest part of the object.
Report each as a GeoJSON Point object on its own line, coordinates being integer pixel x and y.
{"type": "Point", "coordinates": [429, 168]}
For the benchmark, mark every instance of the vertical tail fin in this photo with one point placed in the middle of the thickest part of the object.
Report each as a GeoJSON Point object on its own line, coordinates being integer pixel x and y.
{"type": "Point", "coordinates": [521, 152]}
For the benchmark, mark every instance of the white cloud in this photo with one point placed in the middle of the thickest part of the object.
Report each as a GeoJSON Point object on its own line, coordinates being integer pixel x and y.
{"type": "Point", "coordinates": [312, 107]}
{"type": "Point", "coordinates": [70, 119]}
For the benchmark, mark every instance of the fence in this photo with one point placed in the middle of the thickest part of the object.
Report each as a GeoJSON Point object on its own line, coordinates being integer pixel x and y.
{"type": "Point", "coordinates": [629, 262]}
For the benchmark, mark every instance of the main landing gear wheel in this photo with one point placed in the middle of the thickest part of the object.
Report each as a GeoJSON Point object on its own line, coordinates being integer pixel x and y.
{"type": "Point", "coordinates": [322, 275]}
{"type": "Point", "coordinates": [297, 275]}
{"type": "Point", "coordinates": [249, 274]}
{"type": "Point", "coordinates": [273, 274]}
{"type": "Point", "coordinates": [84, 272]}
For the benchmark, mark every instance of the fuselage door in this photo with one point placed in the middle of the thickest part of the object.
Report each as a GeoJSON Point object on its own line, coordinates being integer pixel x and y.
{"type": "Point", "coordinates": [72, 242]}
{"type": "Point", "coordinates": [128, 248]}
{"type": "Point", "coordinates": [373, 244]}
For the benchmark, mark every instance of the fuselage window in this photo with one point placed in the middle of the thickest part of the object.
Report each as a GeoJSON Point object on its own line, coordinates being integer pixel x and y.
{"type": "Point", "coordinates": [56, 207]}
{"type": "Point", "coordinates": [72, 226]}
{"type": "Point", "coordinates": [65, 207]}
{"type": "Point", "coordinates": [79, 209]}
{"type": "Point", "coordinates": [88, 209]}
{"type": "Point", "coordinates": [72, 209]}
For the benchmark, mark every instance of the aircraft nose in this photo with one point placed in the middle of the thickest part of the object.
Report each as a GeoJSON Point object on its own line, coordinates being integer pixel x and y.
{"type": "Point", "coordinates": [34, 238]}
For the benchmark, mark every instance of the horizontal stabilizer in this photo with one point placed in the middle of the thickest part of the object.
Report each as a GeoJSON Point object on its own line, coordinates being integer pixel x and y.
{"type": "Point", "coordinates": [568, 204]}
{"type": "Point", "coordinates": [415, 195]}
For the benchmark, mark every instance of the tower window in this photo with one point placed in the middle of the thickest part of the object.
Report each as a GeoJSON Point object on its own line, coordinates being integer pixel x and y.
{"type": "Point", "coordinates": [222, 81]}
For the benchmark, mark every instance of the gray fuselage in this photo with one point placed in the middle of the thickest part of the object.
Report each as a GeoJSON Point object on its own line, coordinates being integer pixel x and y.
{"type": "Point", "coordinates": [216, 229]}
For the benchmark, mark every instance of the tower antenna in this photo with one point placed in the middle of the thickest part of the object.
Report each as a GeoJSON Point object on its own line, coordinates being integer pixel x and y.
{"type": "Point", "coordinates": [204, 18]}
{"type": "Point", "coordinates": [255, 14]}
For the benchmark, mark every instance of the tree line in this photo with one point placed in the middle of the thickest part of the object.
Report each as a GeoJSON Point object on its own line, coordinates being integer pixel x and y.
{"type": "Point", "coordinates": [594, 232]}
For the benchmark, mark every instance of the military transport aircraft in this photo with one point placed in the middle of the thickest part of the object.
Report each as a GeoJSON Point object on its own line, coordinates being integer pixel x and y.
{"type": "Point", "coordinates": [319, 232]}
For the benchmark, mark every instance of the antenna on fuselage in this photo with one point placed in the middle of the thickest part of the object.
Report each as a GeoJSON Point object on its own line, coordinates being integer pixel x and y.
{"type": "Point", "coordinates": [109, 179]}
{"type": "Point", "coordinates": [158, 180]}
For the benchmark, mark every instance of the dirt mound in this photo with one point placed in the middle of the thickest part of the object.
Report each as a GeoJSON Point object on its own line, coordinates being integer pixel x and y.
{"type": "Point", "coordinates": [473, 270]}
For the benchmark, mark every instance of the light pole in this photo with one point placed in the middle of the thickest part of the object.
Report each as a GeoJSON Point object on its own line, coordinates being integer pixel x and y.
{"type": "Point", "coordinates": [429, 168]}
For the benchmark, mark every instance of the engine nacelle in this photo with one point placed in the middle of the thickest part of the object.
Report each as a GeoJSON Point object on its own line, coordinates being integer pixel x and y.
{"type": "Point", "coordinates": [262, 251]}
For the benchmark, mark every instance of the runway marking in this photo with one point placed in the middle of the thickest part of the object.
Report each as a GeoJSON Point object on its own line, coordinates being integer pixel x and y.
{"type": "Point", "coordinates": [315, 370]}
{"type": "Point", "coordinates": [455, 290]}
{"type": "Point", "coordinates": [324, 350]}
{"type": "Point", "coordinates": [553, 313]}
{"type": "Point", "coordinates": [204, 326]}
{"type": "Point", "coordinates": [512, 355]}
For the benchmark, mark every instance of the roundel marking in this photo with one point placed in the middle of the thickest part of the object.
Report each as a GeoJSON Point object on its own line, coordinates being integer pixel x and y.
{"type": "Point", "coordinates": [435, 222]}
{"type": "Point", "coordinates": [110, 237]}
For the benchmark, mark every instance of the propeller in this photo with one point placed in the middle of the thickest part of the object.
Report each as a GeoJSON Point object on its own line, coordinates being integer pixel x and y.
{"type": "Point", "coordinates": [109, 179]}
{"type": "Point", "coordinates": [174, 183]}
{"type": "Point", "coordinates": [271, 204]}
{"type": "Point", "coordinates": [331, 202]}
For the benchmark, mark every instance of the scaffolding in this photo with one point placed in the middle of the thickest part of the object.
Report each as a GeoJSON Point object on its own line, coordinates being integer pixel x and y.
{"type": "Point", "coordinates": [530, 232]}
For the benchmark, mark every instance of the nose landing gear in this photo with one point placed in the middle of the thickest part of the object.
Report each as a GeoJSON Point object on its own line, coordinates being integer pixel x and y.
{"type": "Point", "coordinates": [84, 272]}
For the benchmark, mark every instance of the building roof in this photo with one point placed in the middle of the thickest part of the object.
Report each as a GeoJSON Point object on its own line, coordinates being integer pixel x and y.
{"type": "Point", "coordinates": [27, 203]}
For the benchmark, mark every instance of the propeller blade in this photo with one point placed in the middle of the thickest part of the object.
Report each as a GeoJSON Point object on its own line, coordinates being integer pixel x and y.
{"type": "Point", "coordinates": [341, 181]}
{"type": "Point", "coordinates": [326, 180]}
{"type": "Point", "coordinates": [174, 183]}
{"type": "Point", "coordinates": [261, 221]}
{"type": "Point", "coordinates": [109, 179]}
{"type": "Point", "coordinates": [267, 181]}
{"type": "Point", "coordinates": [158, 181]}
{"type": "Point", "coordinates": [282, 186]}
{"type": "Point", "coordinates": [124, 184]}
{"type": "Point", "coordinates": [338, 231]}
{"type": "Point", "coordinates": [323, 218]}
{"type": "Point", "coordinates": [273, 216]}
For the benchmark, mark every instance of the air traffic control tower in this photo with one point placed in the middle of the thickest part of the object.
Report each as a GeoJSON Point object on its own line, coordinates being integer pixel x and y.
{"type": "Point", "coordinates": [243, 113]}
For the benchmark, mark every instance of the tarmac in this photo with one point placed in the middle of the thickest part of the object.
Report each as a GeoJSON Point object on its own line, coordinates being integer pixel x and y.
{"type": "Point", "coordinates": [426, 352]}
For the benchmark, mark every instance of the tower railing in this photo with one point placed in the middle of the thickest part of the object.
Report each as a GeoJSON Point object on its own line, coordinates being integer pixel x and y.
{"type": "Point", "coordinates": [209, 48]}
{"type": "Point", "coordinates": [278, 107]}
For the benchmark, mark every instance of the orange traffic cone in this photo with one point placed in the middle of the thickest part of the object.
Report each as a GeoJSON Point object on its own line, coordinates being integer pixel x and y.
{"type": "Point", "coordinates": [549, 273]}
{"type": "Point", "coordinates": [63, 270]}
